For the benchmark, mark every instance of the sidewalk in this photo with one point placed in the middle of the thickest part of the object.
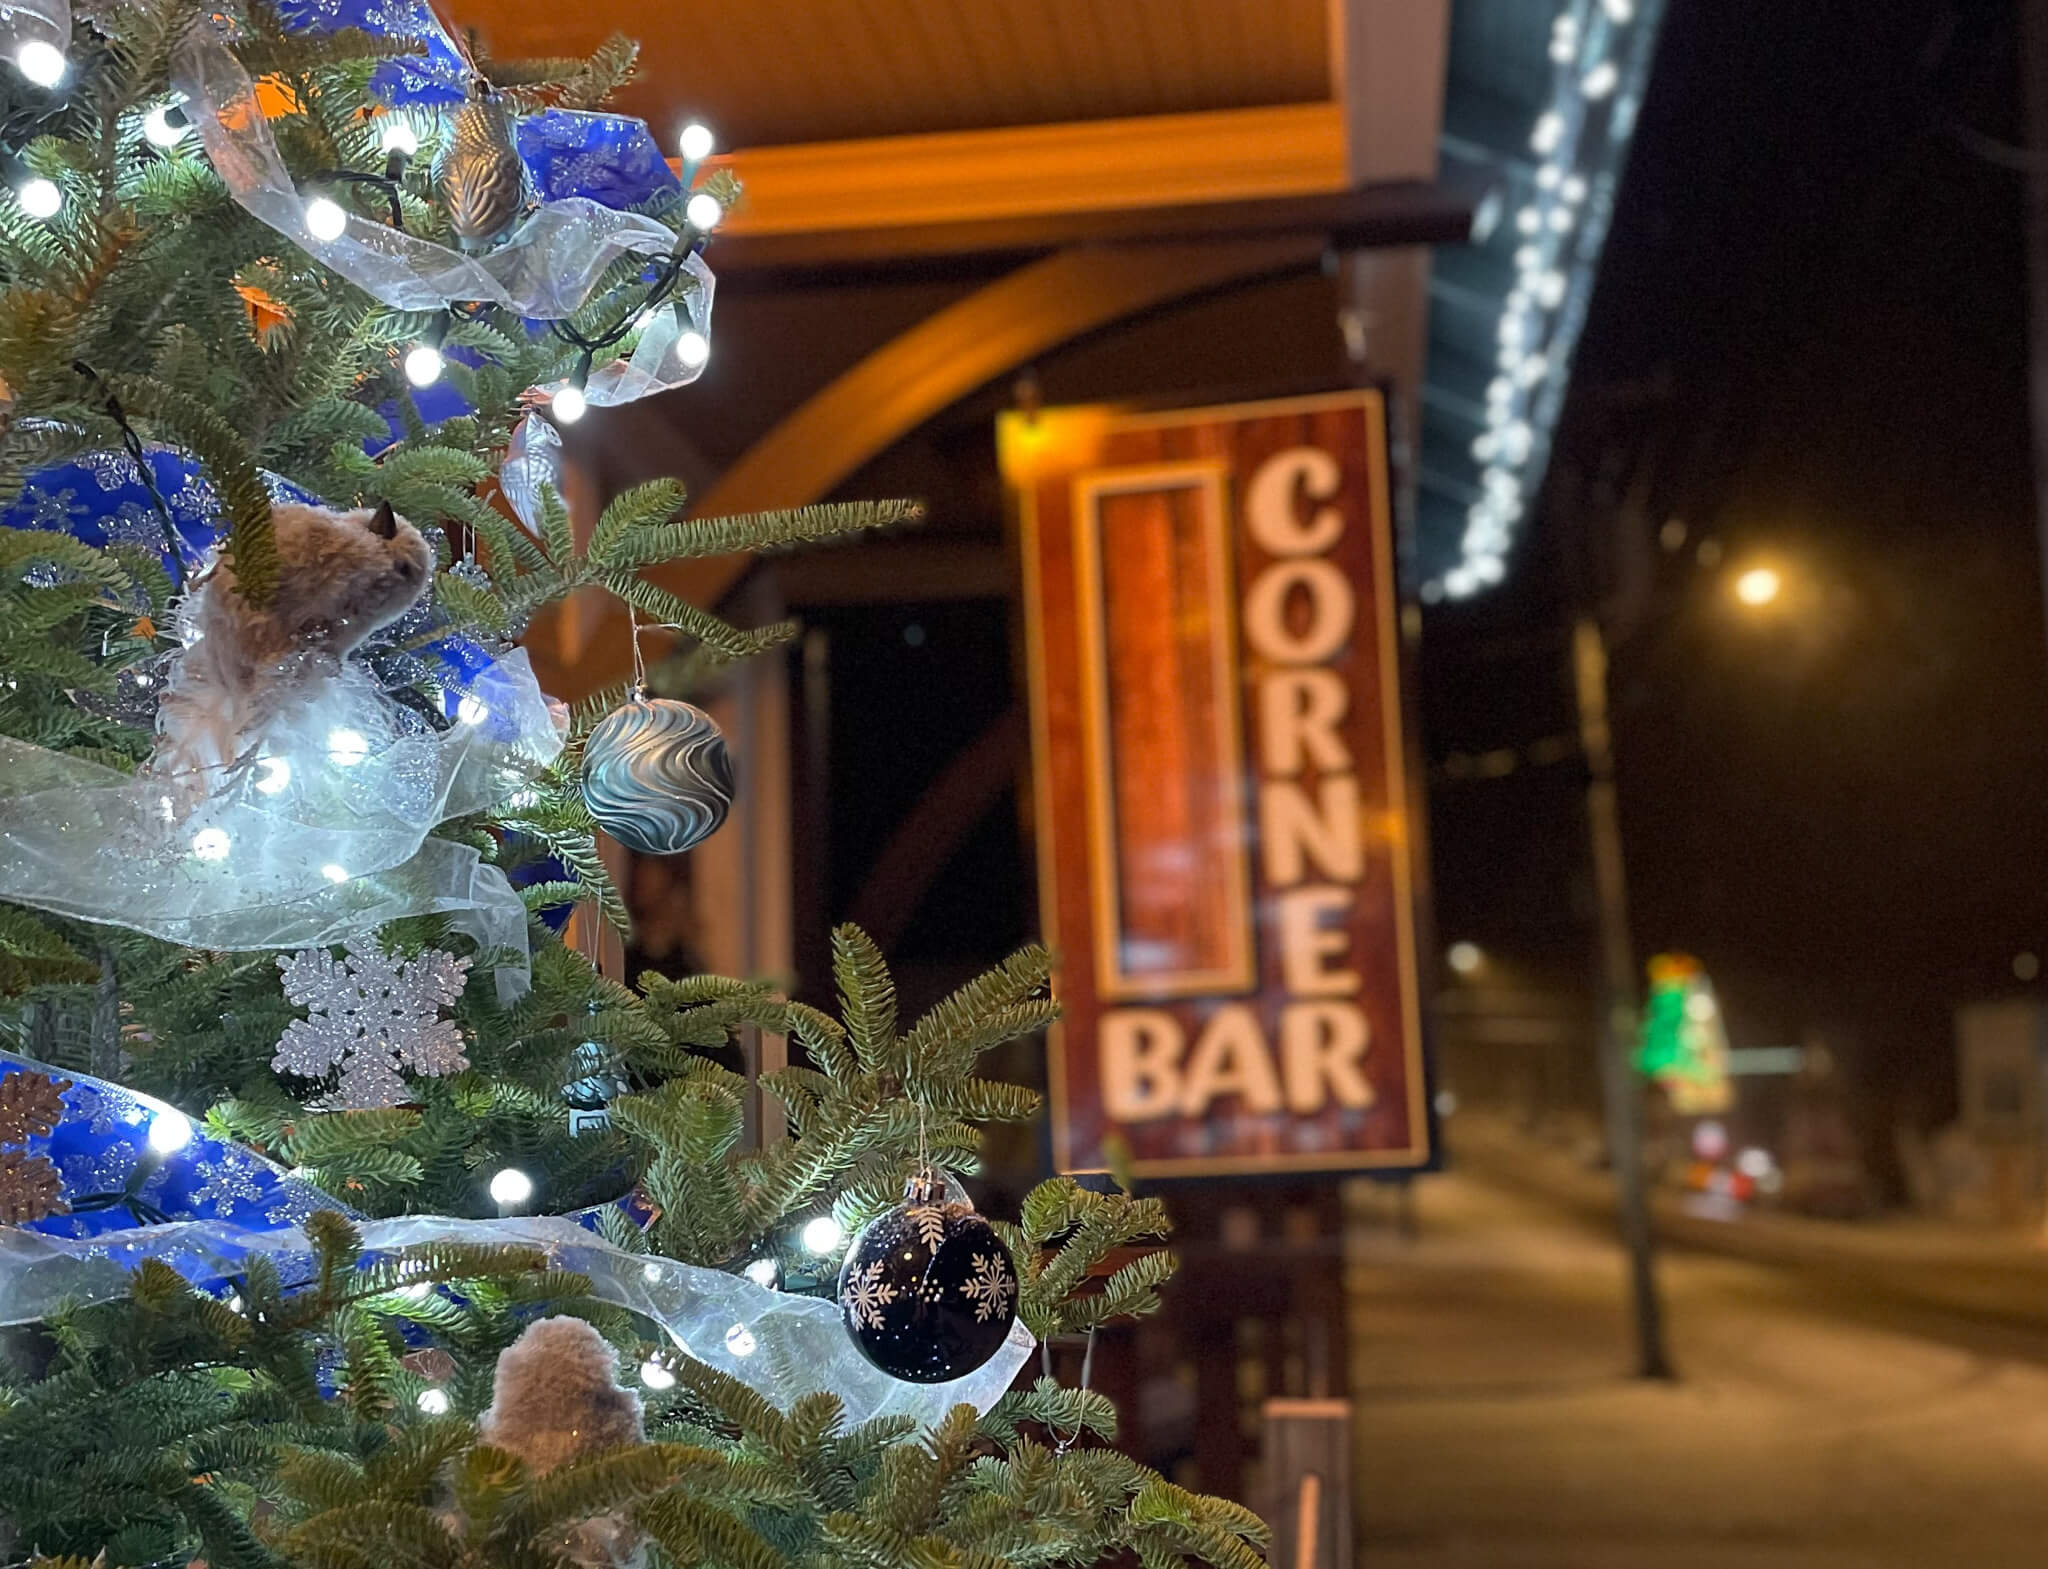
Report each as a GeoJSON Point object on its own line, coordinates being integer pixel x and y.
{"type": "Point", "coordinates": [1497, 1429]}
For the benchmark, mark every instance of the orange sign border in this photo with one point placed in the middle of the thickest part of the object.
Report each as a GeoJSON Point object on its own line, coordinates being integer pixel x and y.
{"type": "Point", "coordinates": [1371, 402]}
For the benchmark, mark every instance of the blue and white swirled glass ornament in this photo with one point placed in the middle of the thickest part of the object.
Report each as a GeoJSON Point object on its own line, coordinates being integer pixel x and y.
{"type": "Point", "coordinates": [656, 775]}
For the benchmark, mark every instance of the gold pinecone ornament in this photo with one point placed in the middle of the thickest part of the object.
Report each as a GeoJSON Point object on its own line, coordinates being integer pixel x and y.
{"type": "Point", "coordinates": [482, 180]}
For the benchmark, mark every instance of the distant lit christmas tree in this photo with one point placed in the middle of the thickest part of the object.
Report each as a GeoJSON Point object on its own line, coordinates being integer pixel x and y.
{"type": "Point", "coordinates": [1685, 1043]}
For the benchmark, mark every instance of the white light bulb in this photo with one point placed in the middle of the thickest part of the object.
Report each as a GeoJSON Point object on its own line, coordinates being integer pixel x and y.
{"type": "Point", "coordinates": [157, 129]}
{"type": "Point", "coordinates": [568, 406]}
{"type": "Point", "coordinates": [511, 1186]}
{"type": "Point", "coordinates": [39, 197]}
{"type": "Point", "coordinates": [434, 1402]}
{"type": "Point", "coordinates": [761, 1271]}
{"type": "Point", "coordinates": [1528, 220]}
{"type": "Point", "coordinates": [1573, 189]}
{"type": "Point", "coordinates": [472, 710]}
{"type": "Point", "coordinates": [399, 136]}
{"type": "Point", "coordinates": [1488, 569]}
{"type": "Point", "coordinates": [696, 142]}
{"type": "Point", "coordinates": [823, 1235]}
{"type": "Point", "coordinates": [739, 1340]}
{"type": "Point", "coordinates": [1560, 219]}
{"type": "Point", "coordinates": [704, 211]}
{"type": "Point", "coordinates": [1547, 176]}
{"type": "Point", "coordinates": [169, 1131]}
{"type": "Point", "coordinates": [1548, 133]}
{"type": "Point", "coordinates": [41, 62]}
{"type": "Point", "coordinates": [651, 1273]}
{"type": "Point", "coordinates": [211, 844]}
{"type": "Point", "coordinates": [693, 349]}
{"type": "Point", "coordinates": [273, 774]}
{"type": "Point", "coordinates": [655, 1376]}
{"type": "Point", "coordinates": [1550, 290]}
{"type": "Point", "coordinates": [325, 220]}
{"type": "Point", "coordinates": [346, 748]}
{"type": "Point", "coordinates": [1528, 258]}
{"type": "Point", "coordinates": [235, 1302]}
{"type": "Point", "coordinates": [1600, 81]}
{"type": "Point", "coordinates": [423, 365]}
{"type": "Point", "coordinates": [417, 1291]}
{"type": "Point", "coordinates": [1619, 11]}
{"type": "Point", "coordinates": [334, 872]}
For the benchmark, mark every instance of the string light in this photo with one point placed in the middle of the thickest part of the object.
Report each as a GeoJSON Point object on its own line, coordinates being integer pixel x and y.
{"type": "Point", "coordinates": [511, 1186]}
{"type": "Point", "coordinates": [434, 1402]}
{"type": "Point", "coordinates": [696, 142]}
{"type": "Point", "coordinates": [39, 197]}
{"type": "Point", "coordinates": [423, 364]}
{"type": "Point", "coordinates": [823, 1235]}
{"type": "Point", "coordinates": [41, 62]}
{"type": "Point", "coordinates": [423, 361]}
{"type": "Point", "coordinates": [472, 710]}
{"type": "Point", "coordinates": [170, 1130]}
{"type": "Point", "coordinates": [325, 220]}
{"type": "Point", "coordinates": [568, 405]}
{"type": "Point", "coordinates": [1600, 81]}
{"type": "Point", "coordinates": [693, 349]}
{"type": "Point", "coordinates": [211, 844]}
{"type": "Point", "coordinates": [165, 126]}
{"type": "Point", "coordinates": [704, 212]}
{"type": "Point", "coordinates": [334, 872]}
{"type": "Point", "coordinates": [399, 136]}
{"type": "Point", "coordinates": [762, 1272]}
{"type": "Point", "coordinates": [655, 1376]}
{"type": "Point", "coordinates": [273, 774]}
{"type": "Point", "coordinates": [346, 748]}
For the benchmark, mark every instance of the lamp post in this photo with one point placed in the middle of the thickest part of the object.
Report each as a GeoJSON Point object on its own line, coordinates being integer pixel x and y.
{"type": "Point", "coordinates": [1621, 1093]}
{"type": "Point", "coordinates": [1754, 588]}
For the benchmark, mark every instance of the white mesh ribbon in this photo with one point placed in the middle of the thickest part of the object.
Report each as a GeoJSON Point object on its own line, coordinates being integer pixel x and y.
{"type": "Point", "coordinates": [319, 833]}
{"type": "Point", "coordinates": [544, 271]}
{"type": "Point", "coordinates": [783, 1347]}
{"type": "Point", "coordinates": [34, 21]}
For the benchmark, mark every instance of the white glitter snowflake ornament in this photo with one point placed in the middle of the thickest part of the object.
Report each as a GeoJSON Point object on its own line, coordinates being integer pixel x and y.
{"type": "Point", "coordinates": [371, 1014]}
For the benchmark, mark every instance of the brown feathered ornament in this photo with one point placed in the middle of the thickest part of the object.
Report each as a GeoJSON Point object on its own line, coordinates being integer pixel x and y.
{"type": "Point", "coordinates": [481, 176]}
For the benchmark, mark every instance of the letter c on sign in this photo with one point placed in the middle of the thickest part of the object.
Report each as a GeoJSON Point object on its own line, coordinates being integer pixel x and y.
{"type": "Point", "coordinates": [1269, 502]}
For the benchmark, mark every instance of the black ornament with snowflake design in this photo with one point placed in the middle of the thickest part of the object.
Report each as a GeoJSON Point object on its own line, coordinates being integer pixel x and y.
{"type": "Point", "coordinates": [928, 1291]}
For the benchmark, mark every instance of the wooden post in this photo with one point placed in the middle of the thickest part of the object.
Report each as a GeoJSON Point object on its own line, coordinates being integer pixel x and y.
{"type": "Point", "coordinates": [1308, 1483]}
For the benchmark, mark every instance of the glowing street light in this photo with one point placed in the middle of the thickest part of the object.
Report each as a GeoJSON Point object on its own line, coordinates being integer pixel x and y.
{"type": "Point", "coordinates": [1759, 586]}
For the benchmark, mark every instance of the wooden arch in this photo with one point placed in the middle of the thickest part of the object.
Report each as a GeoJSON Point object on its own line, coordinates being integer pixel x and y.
{"type": "Point", "coordinates": [906, 381]}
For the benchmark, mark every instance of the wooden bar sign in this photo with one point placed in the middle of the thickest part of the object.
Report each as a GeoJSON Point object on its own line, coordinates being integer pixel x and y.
{"type": "Point", "coordinates": [1220, 787]}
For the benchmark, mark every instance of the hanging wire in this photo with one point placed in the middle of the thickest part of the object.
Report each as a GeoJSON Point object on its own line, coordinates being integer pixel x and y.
{"type": "Point", "coordinates": [132, 443]}
{"type": "Point", "coordinates": [382, 182]}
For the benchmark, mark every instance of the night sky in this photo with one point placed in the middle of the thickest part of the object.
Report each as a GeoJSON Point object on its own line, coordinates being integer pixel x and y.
{"type": "Point", "coordinates": [1807, 345]}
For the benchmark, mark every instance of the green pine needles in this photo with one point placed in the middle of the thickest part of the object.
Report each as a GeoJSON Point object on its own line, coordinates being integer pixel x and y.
{"type": "Point", "coordinates": [266, 1428]}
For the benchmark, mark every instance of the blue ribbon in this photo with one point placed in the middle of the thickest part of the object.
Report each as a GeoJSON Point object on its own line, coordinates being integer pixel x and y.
{"type": "Point", "coordinates": [121, 1185]}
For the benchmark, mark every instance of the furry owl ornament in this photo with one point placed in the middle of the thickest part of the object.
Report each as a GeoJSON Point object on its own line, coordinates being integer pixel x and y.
{"type": "Point", "coordinates": [341, 576]}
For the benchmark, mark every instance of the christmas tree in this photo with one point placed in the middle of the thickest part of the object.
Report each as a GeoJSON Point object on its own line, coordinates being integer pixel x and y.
{"type": "Point", "coordinates": [301, 1262]}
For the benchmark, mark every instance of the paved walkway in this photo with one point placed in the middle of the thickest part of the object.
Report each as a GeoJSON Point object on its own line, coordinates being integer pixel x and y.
{"type": "Point", "coordinates": [1819, 1424]}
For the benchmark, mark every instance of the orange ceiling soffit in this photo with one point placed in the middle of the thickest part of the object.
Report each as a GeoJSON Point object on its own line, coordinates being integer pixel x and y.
{"type": "Point", "coordinates": [1029, 171]}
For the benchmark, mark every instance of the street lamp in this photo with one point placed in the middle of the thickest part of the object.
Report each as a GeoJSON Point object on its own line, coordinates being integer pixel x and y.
{"type": "Point", "coordinates": [1759, 586]}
